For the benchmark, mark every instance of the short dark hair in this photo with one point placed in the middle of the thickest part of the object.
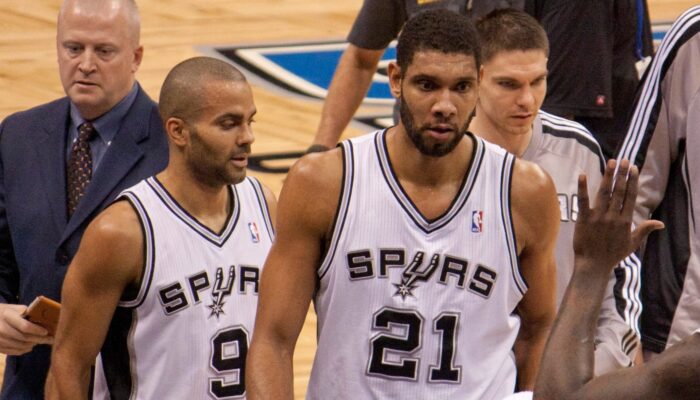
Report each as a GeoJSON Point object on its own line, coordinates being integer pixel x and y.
{"type": "Point", "coordinates": [439, 30]}
{"type": "Point", "coordinates": [183, 89]}
{"type": "Point", "coordinates": [509, 29]}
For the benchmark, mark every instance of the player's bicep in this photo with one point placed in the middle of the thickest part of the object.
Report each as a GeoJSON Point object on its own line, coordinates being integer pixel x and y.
{"type": "Point", "coordinates": [536, 218]}
{"type": "Point", "coordinates": [107, 261]}
{"type": "Point", "coordinates": [304, 213]}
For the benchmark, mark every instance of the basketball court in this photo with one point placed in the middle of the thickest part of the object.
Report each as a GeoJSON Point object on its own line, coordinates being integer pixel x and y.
{"type": "Point", "coordinates": [273, 38]}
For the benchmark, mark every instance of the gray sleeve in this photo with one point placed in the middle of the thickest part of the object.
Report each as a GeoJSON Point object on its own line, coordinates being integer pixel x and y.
{"type": "Point", "coordinates": [378, 23]}
{"type": "Point", "coordinates": [616, 337]}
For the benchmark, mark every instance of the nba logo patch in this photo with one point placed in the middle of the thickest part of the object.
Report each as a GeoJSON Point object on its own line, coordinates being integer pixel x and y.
{"type": "Point", "coordinates": [477, 221]}
{"type": "Point", "coordinates": [254, 233]}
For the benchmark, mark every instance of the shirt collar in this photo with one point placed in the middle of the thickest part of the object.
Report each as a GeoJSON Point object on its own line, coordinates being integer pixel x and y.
{"type": "Point", "coordinates": [107, 125]}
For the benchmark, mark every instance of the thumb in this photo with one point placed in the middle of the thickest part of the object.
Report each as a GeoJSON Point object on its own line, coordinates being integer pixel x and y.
{"type": "Point", "coordinates": [643, 230]}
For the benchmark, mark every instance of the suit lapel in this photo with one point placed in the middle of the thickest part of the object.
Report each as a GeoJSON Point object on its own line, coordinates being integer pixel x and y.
{"type": "Point", "coordinates": [51, 161]}
{"type": "Point", "coordinates": [118, 160]}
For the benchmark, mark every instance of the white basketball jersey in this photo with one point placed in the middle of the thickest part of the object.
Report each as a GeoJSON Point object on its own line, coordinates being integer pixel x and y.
{"type": "Point", "coordinates": [410, 308]}
{"type": "Point", "coordinates": [186, 334]}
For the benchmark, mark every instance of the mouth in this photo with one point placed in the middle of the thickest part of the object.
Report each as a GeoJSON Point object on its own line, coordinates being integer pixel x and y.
{"type": "Point", "coordinates": [84, 83]}
{"type": "Point", "coordinates": [240, 160]}
{"type": "Point", "coordinates": [440, 131]}
{"type": "Point", "coordinates": [523, 116]}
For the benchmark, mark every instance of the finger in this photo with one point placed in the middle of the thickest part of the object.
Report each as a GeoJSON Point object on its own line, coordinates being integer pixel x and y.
{"type": "Point", "coordinates": [25, 326]}
{"type": "Point", "coordinates": [602, 201]}
{"type": "Point", "coordinates": [45, 340]}
{"type": "Point", "coordinates": [640, 233]}
{"type": "Point", "coordinates": [583, 201]}
{"type": "Point", "coordinates": [14, 348]}
{"type": "Point", "coordinates": [617, 198]}
{"type": "Point", "coordinates": [631, 193]}
{"type": "Point", "coordinates": [9, 333]}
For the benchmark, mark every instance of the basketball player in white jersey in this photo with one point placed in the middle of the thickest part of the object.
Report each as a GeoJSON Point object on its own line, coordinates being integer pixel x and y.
{"type": "Point", "coordinates": [513, 86]}
{"type": "Point", "coordinates": [428, 252]}
{"type": "Point", "coordinates": [166, 281]}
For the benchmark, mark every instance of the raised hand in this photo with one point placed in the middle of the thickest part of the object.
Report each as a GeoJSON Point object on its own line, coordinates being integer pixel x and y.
{"type": "Point", "coordinates": [603, 233]}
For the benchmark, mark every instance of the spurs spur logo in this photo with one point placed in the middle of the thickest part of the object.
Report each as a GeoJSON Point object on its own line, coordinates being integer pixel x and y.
{"type": "Point", "coordinates": [220, 290]}
{"type": "Point", "coordinates": [414, 274]}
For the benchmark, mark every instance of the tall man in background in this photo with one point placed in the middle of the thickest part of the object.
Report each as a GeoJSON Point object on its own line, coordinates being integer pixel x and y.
{"type": "Point", "coordinates": [663, 140]}
{"type": "Point", "coordinates": [61, 163]}
{"type": "Point", "coordinates": [377, 24]}
{"type": "Point", "coordinates": [512, 87]}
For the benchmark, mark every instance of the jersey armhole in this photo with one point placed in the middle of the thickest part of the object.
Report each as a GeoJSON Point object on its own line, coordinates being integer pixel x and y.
{"type": "Point", "coordinates": [508, 228]}
{"type": "Point", "coordinates": [264, 209]}
{"type": "Point", "coordinates": [149, 251]}
{"type": "Point", "coordinates": [343, 201]}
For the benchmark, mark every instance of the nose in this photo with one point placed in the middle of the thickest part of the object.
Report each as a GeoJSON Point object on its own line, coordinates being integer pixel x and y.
{"type": "Point", "coordinates": [246, 137]}
{"type": "Point", "coordinates": [87, 62]}
{"type": "Point", "coordinates": [526, 97]}
{"type": "Point", "coordinates": [444, 104]}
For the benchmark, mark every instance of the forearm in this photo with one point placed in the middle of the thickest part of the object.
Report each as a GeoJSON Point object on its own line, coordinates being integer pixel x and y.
{"type": "Point", "coordinates": [269, 371]}
{"type": "Point", "coordinates": [528, 352]}
{"type": "Point", "coordinates": [348, 88]}
{"type": "Point", "coordinates": [568, 361]}
{"type": "Point", "coordinates": [67, 378]}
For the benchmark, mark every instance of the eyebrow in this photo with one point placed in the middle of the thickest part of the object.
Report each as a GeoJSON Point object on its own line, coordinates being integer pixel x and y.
{"type": "Point", "coordinates": [234, 116]}
{"type": "Point", "coordinates": [434, 78]}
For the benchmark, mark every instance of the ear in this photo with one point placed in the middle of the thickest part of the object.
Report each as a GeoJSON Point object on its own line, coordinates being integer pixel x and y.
{"type": "Point", "coordinates": [138, 56]}
{"type": "Point", "coordinates": [395, 77]}
{"type": "Point", "coordinates": [177, 131]}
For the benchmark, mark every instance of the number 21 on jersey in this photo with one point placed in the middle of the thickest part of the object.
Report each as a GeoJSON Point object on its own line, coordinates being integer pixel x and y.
{"type": "Point", "coordinates": [444, 329]}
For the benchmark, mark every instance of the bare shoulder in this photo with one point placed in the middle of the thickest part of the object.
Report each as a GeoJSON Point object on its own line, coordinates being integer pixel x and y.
{"type": "Point", "coordinates": [319, 174]}
{"type": "Point", "coordinates": [118, 222]}
{"type": "Point", "coordinates": [312, 189]}
{"type": "Point", "coordinates": [530, 181]}
{"type": "Point", "coordinates": [318, 168]}
{"type": "Point", "coordinates": [113, 243]}
{"type": "Point", "coordinates": [534, 203]}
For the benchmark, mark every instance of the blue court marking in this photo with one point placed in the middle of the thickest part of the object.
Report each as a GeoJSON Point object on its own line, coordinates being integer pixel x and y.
{"type": "Point", "coordinates": [317, 68]}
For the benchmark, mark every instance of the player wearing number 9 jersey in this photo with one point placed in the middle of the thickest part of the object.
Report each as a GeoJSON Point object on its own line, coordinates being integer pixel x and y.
{"type": "Point", "coordinates": [428, 252]}
{"type": "Point", "coordinates": [166, 280]}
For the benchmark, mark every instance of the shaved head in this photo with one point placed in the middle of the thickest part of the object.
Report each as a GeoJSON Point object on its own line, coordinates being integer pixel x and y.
{"type": "Point", "coordinates": [110, 8]}
{"type": "Point", "coordinates": [184, 91]}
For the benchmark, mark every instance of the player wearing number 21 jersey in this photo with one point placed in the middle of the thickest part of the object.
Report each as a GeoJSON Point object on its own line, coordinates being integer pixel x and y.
{"type": "Point", "coordinates": [416, 300]}
{"type": "Point", "coordinates": [429, 253]}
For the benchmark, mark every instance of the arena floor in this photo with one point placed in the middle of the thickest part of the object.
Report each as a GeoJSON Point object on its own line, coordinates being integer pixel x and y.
{"type": "Point", "coordinates": [178, 29]}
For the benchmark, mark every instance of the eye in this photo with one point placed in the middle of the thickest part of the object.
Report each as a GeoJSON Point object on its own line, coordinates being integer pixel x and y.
{"type": "Point", "coordinates": [73, 49]}
{"type": "Point", "coordinates": [463, 86]}
{"type": "Point", "coordinates": [426, 85]}
{"type": "Point", "coordinates": [105, 52]}
{"type": "Point", "coordinates": [228, 124]}
{"type": "Point", "coordinates": [507, 84]}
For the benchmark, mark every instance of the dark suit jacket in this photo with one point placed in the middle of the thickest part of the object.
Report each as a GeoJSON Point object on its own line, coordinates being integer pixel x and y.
{"type": "Point", "coordinates": [37, 241]}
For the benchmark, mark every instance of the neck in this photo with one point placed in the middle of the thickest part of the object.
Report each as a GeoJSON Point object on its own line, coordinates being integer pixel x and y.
{"type": "Point", "coordinates": [209, 204]}
{"type": "Point", "coordinates": [513, 143]}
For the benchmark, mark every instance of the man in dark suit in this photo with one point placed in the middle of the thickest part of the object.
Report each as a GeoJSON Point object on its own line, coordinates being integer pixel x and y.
{"type": "Point", "coordinates": [61, 163]}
